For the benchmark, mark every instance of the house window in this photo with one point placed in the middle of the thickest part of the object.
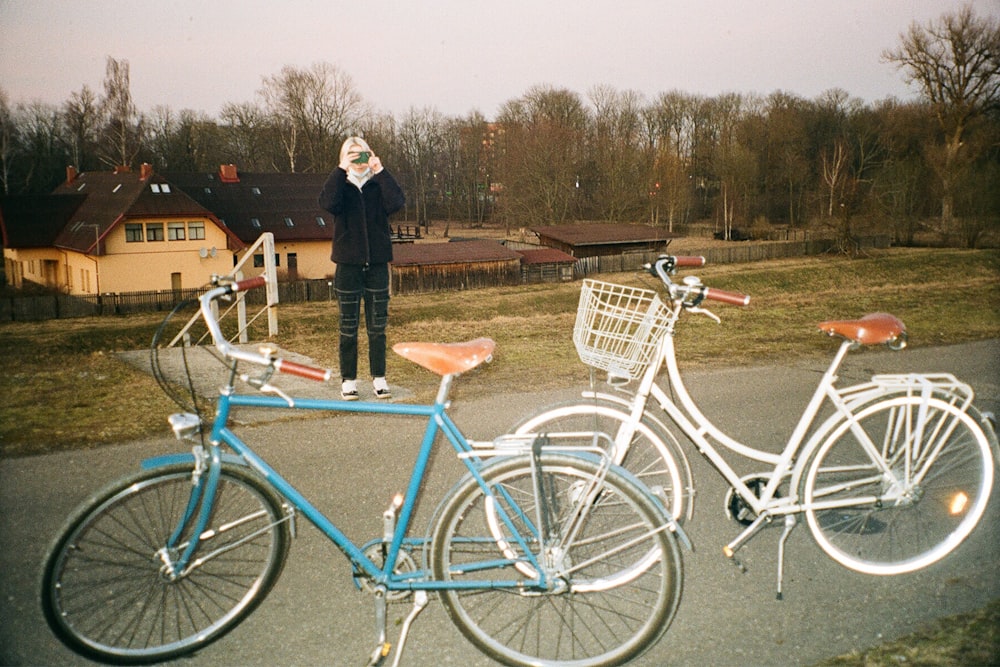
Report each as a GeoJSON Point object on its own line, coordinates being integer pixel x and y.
{"type": "Point", "coordinates": [165, 188]}
{"type": "Point", "coordinates": [320, 221]}
{"type": "Point", "coordinates": [155, 187]}
{"type": "Point", "coordinates": [258, 260]}
{"type": "Point", "coordinates": [208, 191]}
{"type": "Point", "coordinates": [255, 191]}
{"type": "Point", "coordinates": [154, 231]}
{"type": "Point", "coordinates": [175, 231]}
{"type": "Point", "coordinates": [196, 231]}
{"type": "Point", "coordinates": [133, 232]}
{"type": "Point", "coordinates": [255, 222]}
{"type": "Point", "coordinates": [289, 223]}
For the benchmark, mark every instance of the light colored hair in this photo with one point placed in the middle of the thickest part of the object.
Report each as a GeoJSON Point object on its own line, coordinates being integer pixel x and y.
{"type": "Point", "coordinates": [353, 141]}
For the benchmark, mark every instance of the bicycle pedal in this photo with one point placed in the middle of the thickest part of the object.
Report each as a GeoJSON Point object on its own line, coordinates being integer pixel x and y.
{"type": "Point", "coordinates": [379, 655]}
{"type": "Point", "coordinates": [731, 556]}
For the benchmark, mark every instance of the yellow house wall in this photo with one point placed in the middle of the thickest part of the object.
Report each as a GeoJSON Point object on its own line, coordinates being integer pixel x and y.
{"type": "Point", "coordinates": [41, 266]}
{"type": "Point", "coordinates": [149, 265]}
{"type": "Point", "coordinates": [313, 259]}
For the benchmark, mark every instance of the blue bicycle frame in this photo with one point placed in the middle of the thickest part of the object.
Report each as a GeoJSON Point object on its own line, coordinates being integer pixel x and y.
{"type": "Point", "coordinates": [199, 507]}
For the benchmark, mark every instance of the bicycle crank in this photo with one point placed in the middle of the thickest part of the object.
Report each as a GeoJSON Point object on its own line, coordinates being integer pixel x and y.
{"type": "Point", "coordinates": [737, 508]}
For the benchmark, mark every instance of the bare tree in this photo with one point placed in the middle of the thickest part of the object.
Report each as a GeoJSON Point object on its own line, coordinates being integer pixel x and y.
{"type": "Point", "coordinates": [245, 131]}
{"type": "Point", "coordinates": [955, 63]}
{"type": "Point", "coordinates": [122, 133]}
{"type": "Point", "coordinates": [81, 121]}
{"type": "Point", "coordinates": [622, 172]}
{"type": "Point", "coordinates": [314, 108]}
{"type": "Point", "coordinates": [7, 130]}
{"type": "Point", "coordinates": [835, 165]}
{"type": "Point", "coordinates": [420, 136]}
{"type": "Point", "coordinates": [43, 159]}
{"type": "Point", "coordinates": [785, 162]}
{"type": "Point", "coordinates": [540, 156]}
{"type": "Point", "coordinates": [467, 145]}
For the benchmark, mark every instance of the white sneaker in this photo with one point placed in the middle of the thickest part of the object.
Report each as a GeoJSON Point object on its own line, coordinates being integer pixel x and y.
{"type": "Point", "coordinates": [381, 388]}
{"type": "Point", "coordinates": [349, 390]}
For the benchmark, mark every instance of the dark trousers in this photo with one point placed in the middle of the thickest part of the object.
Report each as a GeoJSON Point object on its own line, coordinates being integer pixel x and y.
{"type": "Point", "coordinates": [354, 283]}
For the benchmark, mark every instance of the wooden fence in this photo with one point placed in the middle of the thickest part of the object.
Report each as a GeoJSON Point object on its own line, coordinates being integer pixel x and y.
{"type": "Point", "coordinates": [53, 306]}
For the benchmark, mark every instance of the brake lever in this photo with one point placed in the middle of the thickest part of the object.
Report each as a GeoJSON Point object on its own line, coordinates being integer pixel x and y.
{"type": "Point", "coordinates": [707, 313]}
{"type": "Point", "coordinates": [263, 385]}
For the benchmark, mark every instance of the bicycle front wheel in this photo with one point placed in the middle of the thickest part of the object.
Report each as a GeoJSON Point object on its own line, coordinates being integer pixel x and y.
{"type": "Point", "coordinates": [614, 577]}
{"type": "Point", "coordinates": [899, 486]}
{"type": "Point", "coordinates": [638, 447]}
{"type": "Point", "coordinates": [105, 592]}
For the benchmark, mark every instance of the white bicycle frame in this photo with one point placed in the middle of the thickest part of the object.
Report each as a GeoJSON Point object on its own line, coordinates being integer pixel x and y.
{"type": "Point", "coordinates": [791, 462]}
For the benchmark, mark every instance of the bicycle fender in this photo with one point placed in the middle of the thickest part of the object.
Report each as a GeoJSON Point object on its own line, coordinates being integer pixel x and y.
{"type": "Point", "coordinates": [185, 457]}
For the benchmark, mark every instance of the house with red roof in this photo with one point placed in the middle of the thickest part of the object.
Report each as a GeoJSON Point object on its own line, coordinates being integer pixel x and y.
{"type": "Point", "coordinates": [117, 231]}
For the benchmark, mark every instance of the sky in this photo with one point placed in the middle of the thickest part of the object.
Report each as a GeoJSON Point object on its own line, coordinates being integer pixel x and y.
{"type": "Point", "coordinates": [458, 56]}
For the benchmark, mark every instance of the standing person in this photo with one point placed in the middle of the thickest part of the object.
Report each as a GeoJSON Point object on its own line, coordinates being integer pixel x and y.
{"type": "Point", "coordinates": [361, 195]}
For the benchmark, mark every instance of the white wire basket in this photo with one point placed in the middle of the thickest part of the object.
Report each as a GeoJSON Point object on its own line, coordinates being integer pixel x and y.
{"type": "Point", "coordinates": [618, 327]}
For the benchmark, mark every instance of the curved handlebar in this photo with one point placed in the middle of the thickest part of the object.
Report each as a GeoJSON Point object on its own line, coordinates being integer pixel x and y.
{"type": "Point", "coordinates": [694, 293]}
{"type": "Point", "coordinates": [249, 283]}
{"type": "Point", "coordinates": [302, 370]}
{"type": "Point", "coordinates": [734, 298]}
{"type": "Point", "coordinates": [229, 351]}
{"type": "Point", "coordinates": [685, 261]}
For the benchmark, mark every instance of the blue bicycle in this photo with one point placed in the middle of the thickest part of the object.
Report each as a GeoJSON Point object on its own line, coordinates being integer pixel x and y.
{"type": "Point", "coordinates": [543, 553]}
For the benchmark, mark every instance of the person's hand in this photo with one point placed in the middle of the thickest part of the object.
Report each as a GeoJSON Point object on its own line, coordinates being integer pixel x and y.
{"type": "Point", "coordinates": [345, 164]}
{"type": "Point", "coordinates": [375, 163]}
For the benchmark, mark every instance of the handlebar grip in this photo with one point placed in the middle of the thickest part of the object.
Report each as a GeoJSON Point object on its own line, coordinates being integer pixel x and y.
{"type": "Point", "coordinates": [690, 260]}
{"type": "Point", "coordinates": [249, 283]}
{"type": "Point", "coordinates": [734, 298]}
{"type": "Point", "coordinates": [303, 371]}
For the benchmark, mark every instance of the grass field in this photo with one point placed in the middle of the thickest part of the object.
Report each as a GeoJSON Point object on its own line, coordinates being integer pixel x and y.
{"type": "Point", "coordinates": [65, 388]}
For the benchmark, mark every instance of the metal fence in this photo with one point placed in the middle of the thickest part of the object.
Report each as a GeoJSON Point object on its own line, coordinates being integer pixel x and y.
{"type": "Point", "coordinates": [54, 306]}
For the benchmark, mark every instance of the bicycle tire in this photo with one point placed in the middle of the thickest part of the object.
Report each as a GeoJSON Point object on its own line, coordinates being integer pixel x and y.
{"type": "Point", "coordinates": [103, 594]}
{"type": "Point", "coordinates": [648, 456]}
{"type": "Point", "coordinates": [610, 610]}
{"type": "Point", "coordinates": [941, 477]}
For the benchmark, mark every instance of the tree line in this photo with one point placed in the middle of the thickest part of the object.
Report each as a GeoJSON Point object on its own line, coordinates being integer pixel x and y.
{"type": "Point", "coordinates": [742, 161]}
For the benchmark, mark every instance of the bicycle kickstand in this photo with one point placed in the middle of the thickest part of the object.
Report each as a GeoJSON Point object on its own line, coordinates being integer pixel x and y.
{"type": "Point", "coordinates": [790, 523]}
{"type": "Point", "coordinates": [420, 600]}
{"type": "Point", "coordinates": [382, 646]}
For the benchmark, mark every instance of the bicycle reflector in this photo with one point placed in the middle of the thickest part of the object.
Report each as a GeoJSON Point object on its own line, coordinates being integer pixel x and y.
{"type": "Point", "coordinates": [958, 503]}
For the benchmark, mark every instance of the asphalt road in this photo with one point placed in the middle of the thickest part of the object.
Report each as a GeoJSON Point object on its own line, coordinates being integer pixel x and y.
{"type": "Point", "coordinates": [352, 465]}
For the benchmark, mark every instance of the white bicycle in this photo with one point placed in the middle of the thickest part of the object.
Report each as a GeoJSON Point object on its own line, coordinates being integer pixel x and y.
{"type": "Point", "coordinates": [891, 474]}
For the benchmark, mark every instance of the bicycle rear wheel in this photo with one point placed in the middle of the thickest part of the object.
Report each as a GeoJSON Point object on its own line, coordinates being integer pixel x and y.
{"type": "Point", "coordinates": [104, 589]}
{"type": "Point", "coordinates": [899, 487]}
{"type": "Point", "coordinates": [615, 582]}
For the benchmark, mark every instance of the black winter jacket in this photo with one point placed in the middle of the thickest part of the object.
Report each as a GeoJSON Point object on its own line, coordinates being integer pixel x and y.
{"type": "Point", "coordinates": [361, 232]}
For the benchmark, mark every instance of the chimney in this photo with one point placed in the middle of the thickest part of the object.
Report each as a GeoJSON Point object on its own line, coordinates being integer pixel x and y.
{"type": "Point", "coordinates": [228, 173]}
{"type": "Point", "coordinates": [71, 174]}
{"type": "Point", "coordinates": [145, 171]}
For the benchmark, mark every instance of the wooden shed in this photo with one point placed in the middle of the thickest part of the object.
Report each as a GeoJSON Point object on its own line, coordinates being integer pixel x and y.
{"type": "Point", "coordinates": [420, 267]}
{"type": "Point", "coordinates": [546, 265]}
{"type": "Point", "coordinates": [596, 239]}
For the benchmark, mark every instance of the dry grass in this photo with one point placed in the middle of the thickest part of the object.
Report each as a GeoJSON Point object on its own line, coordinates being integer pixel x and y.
{"type": "Point", "coordinates": [66, 390]}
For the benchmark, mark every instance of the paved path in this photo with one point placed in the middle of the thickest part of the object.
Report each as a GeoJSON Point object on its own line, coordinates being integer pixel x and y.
{"type": "Point", "coordinates": [351, 466]}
